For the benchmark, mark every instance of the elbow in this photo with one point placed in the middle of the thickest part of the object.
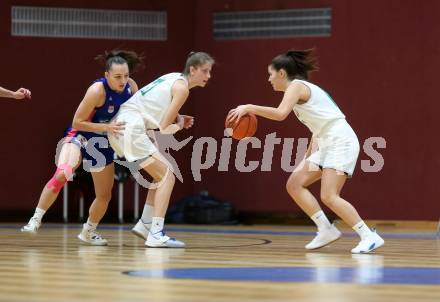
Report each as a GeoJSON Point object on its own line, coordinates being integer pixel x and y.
{"type": "Point", "coordinates": [282, 116]}
{"type": "Point", "coordinates": [76, 124]}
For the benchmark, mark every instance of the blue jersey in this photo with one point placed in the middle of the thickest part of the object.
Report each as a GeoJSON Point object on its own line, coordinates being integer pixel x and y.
{"type": "Point", "coordinates": [102, 114]}
{"type": "Point", "coordinates": [113, 100]}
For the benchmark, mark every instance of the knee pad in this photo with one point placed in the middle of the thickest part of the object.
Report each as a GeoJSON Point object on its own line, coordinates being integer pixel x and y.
{"type": "Point", "coordinates": [58, 184]}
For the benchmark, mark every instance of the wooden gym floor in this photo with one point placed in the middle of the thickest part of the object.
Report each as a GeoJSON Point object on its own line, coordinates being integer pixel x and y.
{"type": "Point", "coordinates": [237, 263]}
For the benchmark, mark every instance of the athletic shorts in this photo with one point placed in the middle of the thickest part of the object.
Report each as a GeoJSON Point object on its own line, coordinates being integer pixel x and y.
{"type": "Point", "coordinates": [95, 148]}
{"type": "Point", "coordinates": [338, 148]}
{"type": "Point", "coordinates": [134, 144]}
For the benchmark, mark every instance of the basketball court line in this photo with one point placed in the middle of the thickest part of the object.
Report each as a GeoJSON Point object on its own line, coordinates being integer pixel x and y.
{"type": "Point", "coordinates": [421, 235]}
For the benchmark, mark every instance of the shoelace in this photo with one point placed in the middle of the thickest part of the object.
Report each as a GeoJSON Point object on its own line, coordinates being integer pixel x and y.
{"type": "Point", "coordinates": [331, 226]}
{"type": "Point", "coordinates": [34, 223]}
{"type": "Point", "coordinates": [162, 234]}
{"type": "Point", "coordinates": [94, 235]}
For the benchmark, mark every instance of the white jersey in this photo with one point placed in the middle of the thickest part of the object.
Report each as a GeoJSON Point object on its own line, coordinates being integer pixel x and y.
{"type": "Point", "coordinates": [153, 100]}
{"type": "Point", "coordinates": [318, 111]}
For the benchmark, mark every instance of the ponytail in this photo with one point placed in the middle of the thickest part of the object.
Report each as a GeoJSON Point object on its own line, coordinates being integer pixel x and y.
{"type": "Point", "coordinates": [296, 63]}
{"type": "Point", "coordinates": [131, 58]}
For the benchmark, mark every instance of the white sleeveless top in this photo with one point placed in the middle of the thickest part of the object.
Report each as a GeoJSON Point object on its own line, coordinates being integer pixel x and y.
{"type": "Point", "coordinates": [318, 111]}
{"type": "Point", "coordinates": [153, 100]}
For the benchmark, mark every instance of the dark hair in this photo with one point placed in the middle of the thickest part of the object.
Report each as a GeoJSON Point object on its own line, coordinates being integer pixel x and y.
{"type": "Point", "coordinates": [131, 58]}
{"type": "Point", "coordinates": [296, 63]}
{"type": "Point", "coordinates": [196, 59]}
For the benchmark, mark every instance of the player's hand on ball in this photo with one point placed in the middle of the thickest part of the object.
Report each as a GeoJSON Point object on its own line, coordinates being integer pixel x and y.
{"type": "Point", "coordinates": [237, 113]}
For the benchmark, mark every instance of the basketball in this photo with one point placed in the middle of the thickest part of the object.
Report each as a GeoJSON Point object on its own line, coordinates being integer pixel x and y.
{"type": "Point", "coordinates": [245, 127]}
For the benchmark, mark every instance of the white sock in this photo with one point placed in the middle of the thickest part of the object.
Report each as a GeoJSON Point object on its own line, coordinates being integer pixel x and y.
{"type": "Point", "coordinates": [362, 229]}
{"type": "Point", "coordinates": [39, 213]}
{"type": "Point", "coordinates": [157, 225]}
{"type": "Point", "coordinates": [321, 220]}
{"type": "Point", "coordinates": [89, 225]}
{"type": "Point", "coordinates": [147, 215]}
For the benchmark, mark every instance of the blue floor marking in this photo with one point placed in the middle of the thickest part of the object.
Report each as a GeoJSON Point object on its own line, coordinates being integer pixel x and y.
{"type": "Point", "coordinates": [356, 275]}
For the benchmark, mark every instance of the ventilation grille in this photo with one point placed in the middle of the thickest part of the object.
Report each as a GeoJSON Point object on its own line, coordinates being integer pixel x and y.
{"type": "Point", "coordinates": [273, 24]}
{"type": "Point", "coordinates": [88, 23]}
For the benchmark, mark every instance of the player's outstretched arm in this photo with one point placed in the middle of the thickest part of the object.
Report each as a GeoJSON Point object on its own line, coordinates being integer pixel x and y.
{"type": "Point", "coordinates": [20, 94]}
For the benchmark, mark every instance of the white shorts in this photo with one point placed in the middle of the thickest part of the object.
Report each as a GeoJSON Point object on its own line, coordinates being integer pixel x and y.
{"type": "Point", "coordinates": [338, 148]}
{"type": "Point", "coordinates": [134, 144]}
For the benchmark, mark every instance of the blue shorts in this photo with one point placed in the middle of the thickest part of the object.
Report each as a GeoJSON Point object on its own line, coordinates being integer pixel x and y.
{"type": "Point", "coordinates": [95, 148]}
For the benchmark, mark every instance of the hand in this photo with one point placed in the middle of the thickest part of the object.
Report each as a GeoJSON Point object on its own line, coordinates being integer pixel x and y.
{"type": "Point", "coordinates": [22, 93]}
{"type": "Point", "coordinates": [188, 121]}
{"type": "Point", "coordinates": [237, 113]}
{"type": "Point", "coordinates": [115, 128]}
{"type": "Point", "coordinates": [180, 121]}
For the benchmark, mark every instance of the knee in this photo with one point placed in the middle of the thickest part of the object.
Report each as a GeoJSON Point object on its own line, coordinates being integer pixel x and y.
{"type": "Point", "coordinates": [104, 197]}
{"type": "Point", "coordinates": [293, 185]}
{"type": "Point", "coordinates": [167, 175]}
{"type": "Point", "coordinates": [329, 199]}
{"type": "Point", "coordinates": [61, 176]}
{"type": "Point", "coordinates": [64, 173]}
{"type": "Point", "coordinates": [170, 177]}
